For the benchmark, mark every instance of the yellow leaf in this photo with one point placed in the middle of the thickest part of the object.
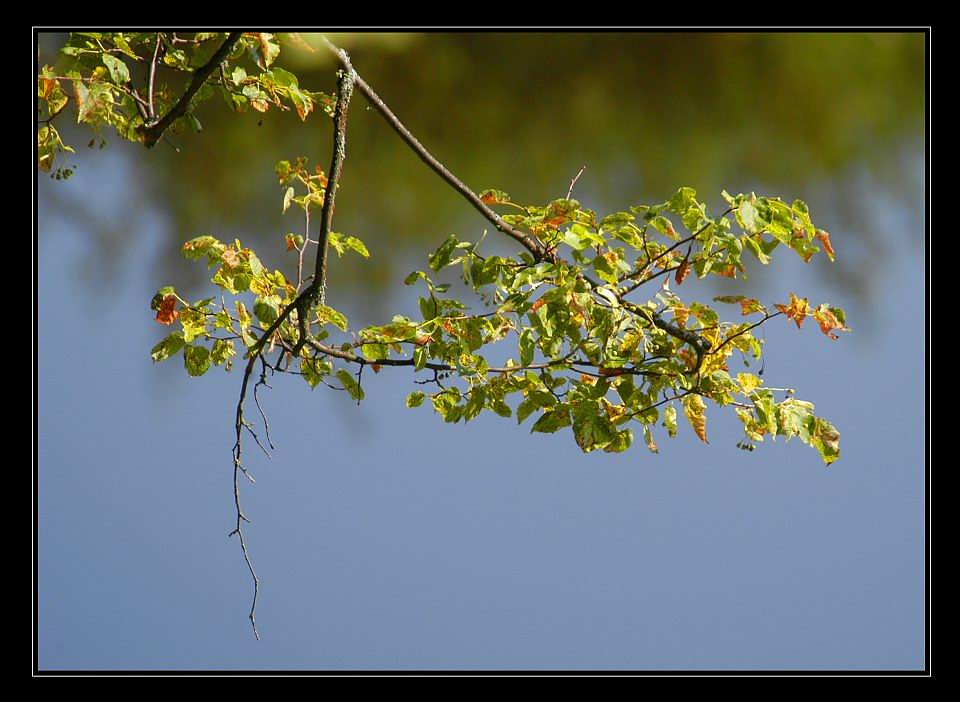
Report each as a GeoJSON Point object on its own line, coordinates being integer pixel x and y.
{"type": "Point", "coordinates": [695, 411]}
{"type": "Point", "coordinates": [748, 382]}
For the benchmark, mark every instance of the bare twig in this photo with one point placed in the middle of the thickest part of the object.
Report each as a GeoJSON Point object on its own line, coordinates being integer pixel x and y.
{"type": "Point", "coordinates": [153, 71]}
{"type": "Point", "coordinates": [529, 242]}
{"type": "Point", "coordinates": [574, 182]}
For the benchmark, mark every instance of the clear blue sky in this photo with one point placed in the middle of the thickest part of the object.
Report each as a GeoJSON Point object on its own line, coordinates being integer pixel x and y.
{"type": "Point", "coordinates": [386, 539]}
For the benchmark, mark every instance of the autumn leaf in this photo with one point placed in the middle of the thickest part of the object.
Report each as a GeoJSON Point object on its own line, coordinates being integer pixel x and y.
{"type": "Point", "coordinates": [748, 382]}
{"type": "Point", "coordinates": [824, 238]}
{"type": "Point", "coordinates": [797, 310]}
{"type": "Point", "coordinates": [680, 315]}
{"type": "Point", "coordinates": [683, 270]}
{"type": "Point", "coordinates": [828, 321]}
{"type": "Point", "coordinates": [537, 305]}
{"type": "Point", "coordinates": [748, 306]}
{"type": "Point", "coordinates": [494, 197]}
{"type": "Point", "coordinates": [167, 314]}
{"type": "Point", "coordinates": [230, 258]}
{"type": "Point", "coordinates": [695, 410]}
{"type": "Point", "coordinates": [648, 438]}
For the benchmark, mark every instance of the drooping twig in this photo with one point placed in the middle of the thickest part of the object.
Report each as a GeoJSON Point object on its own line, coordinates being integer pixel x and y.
{"type": "Point", "coordinates": [535, 247]}
{"type": "Point", "coordinates": [153, 132]}
{"type": "Point", "coordinates": [302, 304]}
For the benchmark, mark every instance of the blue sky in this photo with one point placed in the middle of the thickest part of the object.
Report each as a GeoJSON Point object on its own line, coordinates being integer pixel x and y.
{"type": "Point", "coordinates": [385, 539]}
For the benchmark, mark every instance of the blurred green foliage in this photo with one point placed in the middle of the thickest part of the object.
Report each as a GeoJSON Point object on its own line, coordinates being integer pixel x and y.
{"type": "Point", "coordinates": [811, 113]}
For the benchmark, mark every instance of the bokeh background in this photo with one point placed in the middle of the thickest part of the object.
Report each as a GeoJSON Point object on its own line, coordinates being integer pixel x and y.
{"type": "Point", "coordinates": [385, 539]}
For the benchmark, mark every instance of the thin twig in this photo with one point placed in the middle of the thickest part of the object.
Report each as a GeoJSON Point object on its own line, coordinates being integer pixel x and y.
{"type": "Point", "coordinates": [534, 246]}
{"type": "Point", "coordinates": [153, 132]}
{"type": "Point", "coordinates": [153, 71]}
{"type": "Point", "coordinates": [574, 182]}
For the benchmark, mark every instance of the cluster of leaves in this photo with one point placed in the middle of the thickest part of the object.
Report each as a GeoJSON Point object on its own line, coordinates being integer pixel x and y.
{"type": "Point", "coordinates": [582, 355]}
{"type": "Point", "coordinates": [128, 80]}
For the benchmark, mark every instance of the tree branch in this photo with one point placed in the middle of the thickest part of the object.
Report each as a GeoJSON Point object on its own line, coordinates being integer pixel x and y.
{"type": "Point", "coordinates": [153, 132]}
{"type": "Point", "coordinates": [535, 247]}
{"type": "Point", "coordinates": [345, 81]}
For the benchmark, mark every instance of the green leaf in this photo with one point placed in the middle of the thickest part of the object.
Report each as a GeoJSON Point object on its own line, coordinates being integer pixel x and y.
{"type": "Point", "coordinates": [350, 384]}
{"type": "Point", "coordinates": [284, 78]}
{"type": "Point", "coordinates": [826, 439]}
{"type": "Point", "coordinates": [314, 370]}
{"type": "Point", "coordinates": [441, 257]}
{"type": "Point", "coordinates": [354, 244]}
{"type": "Point", "coordinates": [592, 429]}
{"type": "Point", "coordinates": [166, 348]}
{"type": "Point", "coordinates": [749, 217]}
{"type": "Point", "coordinates": [118, 69]}
{"type": "Point", "coordinates": [526, 347]}
{"type": "Point", "coordinates": [222, 351]}
{"type": "Point", "coordinates": [526, 408]}
{"type": "Point", "coordinates": [664, 226]}
{"type": "Point", "coordinates": [267, 309]}
{"type": "Point", "coordinates": [419, 358]}
{"type": "Point", "coordinates": [288, 198]}
{"type": "Point", "coordinates": [415, 399]}
{"type": "Point", "coordinates": [670, 420]}
{"type": "Point", "coordinates": [553, 420]}
{"type": "Point", "coordinates": [796, 419]}
{"type": "Point", "coordinates": [374, 352]}
{"type": "Point", "coordinates": [196, 359]}
{"type": "Point", "coordinates": [328, 315]}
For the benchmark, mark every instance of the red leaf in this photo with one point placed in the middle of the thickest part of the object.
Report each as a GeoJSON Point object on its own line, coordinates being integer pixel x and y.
{"type": "Point", "coordinates": [167, 314]}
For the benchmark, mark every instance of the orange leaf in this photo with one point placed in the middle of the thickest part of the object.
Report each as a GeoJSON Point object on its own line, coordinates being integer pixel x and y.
{"type": "Point", "coordinates": [537, 305]}
{"type": "Point", "coordinates": [683, 270]}
{"type": "Point", "coordinates": [488, 198]}
{"type": "Point", "coordinates": [729, 271]}
{"type": "Point", "coordinates": [798, 309]}
{"type": "Point", "coordinates": [376, 367]}
{"type": "Point", "coordinates": [824, 238]}
{"type": "Point", "coordinates": [680, 315]}
{"type": "Point", "coordinates": [48, 85]}
{"type": "Point", "coordinates": [167, 314]}
{"type": "Point", "coordinates": [291, 245]}
{"type": "Point", "coordinates": [828, 321]}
